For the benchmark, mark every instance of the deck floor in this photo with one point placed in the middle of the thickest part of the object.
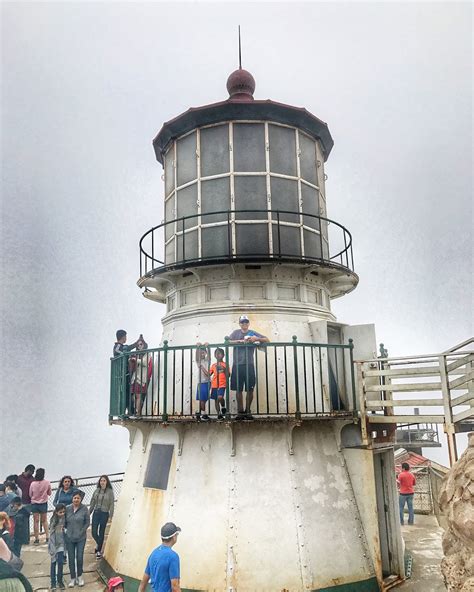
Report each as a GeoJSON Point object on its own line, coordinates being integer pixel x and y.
{"type": "Point", "coordinates": [423, 541]}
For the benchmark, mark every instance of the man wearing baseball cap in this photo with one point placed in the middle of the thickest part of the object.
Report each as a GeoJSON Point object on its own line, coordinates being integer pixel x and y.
{"type": "Point", "coordinates": [243, 369]}
{"type": "Point", "coordinates": [162, 568]}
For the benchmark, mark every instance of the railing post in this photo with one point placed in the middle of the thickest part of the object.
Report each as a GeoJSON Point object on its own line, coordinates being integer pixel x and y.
{"type": "Point", "coordinates": [448, 412]}
{"type": "Point", "coordinates": [165, 380]}
{"type": "Point", "coordinates": [227, 397]}
{"type": "Point", "coordinates": [295, 364]}
{"type": "Point", "coordinates": [351, 356]}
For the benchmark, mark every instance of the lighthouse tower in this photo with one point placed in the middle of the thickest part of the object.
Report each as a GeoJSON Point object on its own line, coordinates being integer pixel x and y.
{"type": "Point", "coordinates": [287, 500]}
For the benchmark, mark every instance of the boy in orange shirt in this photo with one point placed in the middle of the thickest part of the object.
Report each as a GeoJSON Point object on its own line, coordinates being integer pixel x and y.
{"type": "Point", "coordinates": [219, 373]}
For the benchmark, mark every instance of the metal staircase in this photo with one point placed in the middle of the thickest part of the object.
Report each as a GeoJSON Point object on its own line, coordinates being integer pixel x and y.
{"type": "Point", "coordinates": [433, 388]}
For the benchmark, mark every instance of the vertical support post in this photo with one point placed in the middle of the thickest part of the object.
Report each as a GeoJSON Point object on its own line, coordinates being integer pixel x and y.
{"type": "Point", "coordinates": [227, 397]}
{"type": "Point", "coordinates": [448, 412]}
{"type": "Point", "coordinates": [363, 409]}
{"type": "Point", "coordinates": [351, 356]}
{"type": "Point", "coordinates": [165, 380]}
{"type": "Point", "coordinates": [295, 365]}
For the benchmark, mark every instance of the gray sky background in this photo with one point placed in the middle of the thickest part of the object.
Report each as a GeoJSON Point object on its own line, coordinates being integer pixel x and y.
{"type": "Point", "coordinates": [86, 86]}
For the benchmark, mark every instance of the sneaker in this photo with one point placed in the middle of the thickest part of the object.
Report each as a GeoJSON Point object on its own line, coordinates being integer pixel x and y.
{"type": "Point", "coordinates": [240, 416]}
{"type": "Point", "coordinates": [72, 583]}
{"type": "Point", "coordinates": [220, 417]}
{"type": "Point", "coordinates": [223, 411]}
{"type": "Point", "coordinates": [53, 588]}
{"type": "Point", "coordinates": [198, 416]}
{"type": "Point", "coordinates": [248, 416]}
{"type": "Point", "coordinates": [80, 581]}
{"type": "Point", "coordinates": [205, 417]}
{"type": "Point", "coordinates": [61, 586]}
{"type": "Point", "coordinates": [98, 555]}
{"type": "Point", "coordinates": [47, 540]}
{"type": "Point", "coordinates": [36, 542]}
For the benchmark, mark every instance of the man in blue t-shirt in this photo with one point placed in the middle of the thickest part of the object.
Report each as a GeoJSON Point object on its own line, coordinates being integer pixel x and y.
{"type": "Point", "coordinates": [243, 369]}
{"type": "Point", "coordinates": [162, 568]}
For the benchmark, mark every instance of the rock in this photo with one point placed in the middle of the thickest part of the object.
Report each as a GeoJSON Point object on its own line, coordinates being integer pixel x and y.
{"type": "Point", "coordinates": [456, 501]}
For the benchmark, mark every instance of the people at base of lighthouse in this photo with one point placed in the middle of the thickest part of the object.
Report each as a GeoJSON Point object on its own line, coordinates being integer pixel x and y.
{"type": "Point", "coordinates": [243, 368]}
{"type": "Point", "coordinates": [20, 520]}
{"type": "Point", "coordinates": [140, 368]}
{"type": "Point", "coordinates": [77, 523]}
{"type": "Point", "coordinates": [65, 491]}
{"type": "Point", "coordinates": [102, 510]}
{"type": "Point", "coordinates": [40, 490]}
{"type": "Point", "coordinates": [219, 374]}
{"type": "Point", "coordinates": [202, 379]}
{"type": "Point", "coordinates": [57, 546]}
{"type": "Point", "coordinates": [162, 568]}
{"type": "Point", "coordinates": [406, 483]}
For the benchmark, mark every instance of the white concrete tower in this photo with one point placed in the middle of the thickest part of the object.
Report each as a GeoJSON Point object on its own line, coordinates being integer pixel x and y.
{"type": "Point", "coordinates": [286, 501]}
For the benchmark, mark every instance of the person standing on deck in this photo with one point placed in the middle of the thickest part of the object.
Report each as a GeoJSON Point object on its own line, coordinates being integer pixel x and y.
{"type": "Point", "coordinates": [406, 484]}
{"type": "Point", "coordinates": [243, 369]}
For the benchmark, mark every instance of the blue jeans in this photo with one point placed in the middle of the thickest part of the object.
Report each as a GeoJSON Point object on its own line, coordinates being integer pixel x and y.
{"type": "Point", "coordinates": [75, 552]}
{"type": "Point", "coordinates": [408, 498]}
{"type": "Point", "coordinates": [99, 523]}
{"type": "Point", "coordinates": [58, 562]}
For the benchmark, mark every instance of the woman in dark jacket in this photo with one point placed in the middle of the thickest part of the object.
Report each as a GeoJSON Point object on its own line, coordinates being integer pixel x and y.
{"type": "Point", "coordinates": [77, 523]}
{"type": "Point", "coordinates": [65, 491]}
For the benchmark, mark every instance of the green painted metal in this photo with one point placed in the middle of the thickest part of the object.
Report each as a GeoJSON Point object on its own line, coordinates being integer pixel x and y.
{"type": "Point", "coordinates": [370, 585]}
{"type": "Point", "coordinates": [119, 378]}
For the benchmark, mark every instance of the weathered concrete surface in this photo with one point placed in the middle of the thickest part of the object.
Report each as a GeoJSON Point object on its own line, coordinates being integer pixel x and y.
{"type": "Point", "coordinates": [457, 503]}
{"type": "Point", "coordinates": [423, 541]}
{"type": "Point", "coordinates": [38, 562]}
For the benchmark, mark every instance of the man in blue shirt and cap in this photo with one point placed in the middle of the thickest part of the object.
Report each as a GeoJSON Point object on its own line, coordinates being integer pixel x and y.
{"type": "Point", "coordinates": [162, 568]}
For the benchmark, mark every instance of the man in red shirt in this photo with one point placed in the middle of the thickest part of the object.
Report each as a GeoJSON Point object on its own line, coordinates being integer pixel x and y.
{"type": "Point", "coordinates": [406, 485]}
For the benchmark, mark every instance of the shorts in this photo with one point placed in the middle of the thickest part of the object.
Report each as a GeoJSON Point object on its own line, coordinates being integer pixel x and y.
{"type": "Point", "coordinates": [39, 508]}
{"type": "Point", "coordinates": [218, 393]}
{"type": "Point", "coordinates": [202, 391]}
{"type": "Point", "coordinates": [243, 377]}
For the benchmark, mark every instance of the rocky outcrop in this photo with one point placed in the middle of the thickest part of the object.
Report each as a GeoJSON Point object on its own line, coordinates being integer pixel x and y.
{"type": "Point", "coordinates": [457, 503]}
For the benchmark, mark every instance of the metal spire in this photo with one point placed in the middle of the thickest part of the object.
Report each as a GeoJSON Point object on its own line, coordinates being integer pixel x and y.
{"type": "Point", "coordinates": [240, 52]}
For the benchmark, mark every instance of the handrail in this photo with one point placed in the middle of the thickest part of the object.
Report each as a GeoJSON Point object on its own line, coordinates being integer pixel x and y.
{"type": "Point", "coordinates": [459, 346]}
{"type": "Point", "coordinates": [346, 251]}
{"type": "Point", "coordinates": [290, 379]}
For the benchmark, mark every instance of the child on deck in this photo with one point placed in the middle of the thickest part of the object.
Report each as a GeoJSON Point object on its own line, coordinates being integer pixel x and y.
{"type": "Point", "coordinates": [219, 374]}
{"type": "Point", "coordinates": [202, 390]}
{"type": "Point", "coordinates": [57, 546]}
{"type": "Point", "coordinates": [20, 524]}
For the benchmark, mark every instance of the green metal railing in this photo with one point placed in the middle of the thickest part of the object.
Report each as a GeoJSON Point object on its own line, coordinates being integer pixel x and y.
{"type": "Point", "coordinates": [291, 380]}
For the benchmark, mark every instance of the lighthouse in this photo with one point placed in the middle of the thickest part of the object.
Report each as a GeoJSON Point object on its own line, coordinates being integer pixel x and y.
{"type": "Point", "coordinates": [292, 498]}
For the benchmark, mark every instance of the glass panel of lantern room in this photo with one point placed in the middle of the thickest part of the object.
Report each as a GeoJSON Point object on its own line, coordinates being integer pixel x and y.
{"type": "Point", "coordinates": [187, 206]}
{"type": "Point", "coordinates": [312, 244]}
{"type": "Point", "coordinates": [169, 171]}
{"type": "Point", "coordinates": [251, 239]}
{"type": "Point", "coordinates": [186, 159]}
{"type": "Point", "coordinates": [215, 197]}
{"type": "Point", "coordinates": [250, 194]}
{"type": "Point", "coordinates": [282, 150]}
{"type": "Point", "coordinates": [285, 197]}
{"type": "Point", "coordinates": [214, 150]}
{"type": "Point", "coordinates": [249, 147]}
{"type": "Point", "coordinates": [216, 242]}
{"type": "Point", "coordinates": [170, 214]}
{"type": "Point", "coordinates": [310, 205]}
{"type": "Point", "coordinates": [169, 253]}
{"type": "Point", "coordinates": [286, 242]}
{"type": "Point", "coordinates": [308, 159]}
{"type": "Point", "coordinates": [190, 249]}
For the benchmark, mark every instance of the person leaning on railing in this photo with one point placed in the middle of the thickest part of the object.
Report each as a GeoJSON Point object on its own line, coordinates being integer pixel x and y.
{"type": "Point", "coordinates": [243, 369]}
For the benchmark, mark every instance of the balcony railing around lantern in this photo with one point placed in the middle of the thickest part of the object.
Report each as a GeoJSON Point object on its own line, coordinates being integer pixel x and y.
{"type": "Point", "coordinates": [233, 235]}
{"type": "Point", "coordinates": [299, 380]}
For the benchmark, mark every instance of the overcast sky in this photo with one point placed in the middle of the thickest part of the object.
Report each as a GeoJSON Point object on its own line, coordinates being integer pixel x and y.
{"type": "Point", "coordinates": [85, 88]}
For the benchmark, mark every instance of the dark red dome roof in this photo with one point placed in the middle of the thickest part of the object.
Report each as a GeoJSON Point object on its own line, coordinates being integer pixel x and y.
{"type": "Point", "coordinates": [241, 85]}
